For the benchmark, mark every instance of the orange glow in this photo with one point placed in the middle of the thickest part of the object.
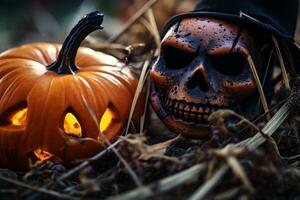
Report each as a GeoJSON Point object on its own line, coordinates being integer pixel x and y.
{"type": "Point", "coordinates": [72, 125]}
{"type": "Point", "coordinates": [106, 119]}
{"type": "Point", "coordinates": [42, 155]}
{"type": "Point", "coordinates": [19, 118]}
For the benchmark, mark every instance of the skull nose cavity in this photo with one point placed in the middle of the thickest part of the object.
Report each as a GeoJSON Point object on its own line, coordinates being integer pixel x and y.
{"type": "Point", "coordinates": [198, 80]}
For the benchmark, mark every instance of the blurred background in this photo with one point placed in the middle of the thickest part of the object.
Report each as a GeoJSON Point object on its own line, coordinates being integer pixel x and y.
{"type": "Point", "coordinates": [23, 21]}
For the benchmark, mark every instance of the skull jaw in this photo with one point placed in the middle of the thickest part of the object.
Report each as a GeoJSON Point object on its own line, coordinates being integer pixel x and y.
{"type": "Point", "coordinates": [178, 126]}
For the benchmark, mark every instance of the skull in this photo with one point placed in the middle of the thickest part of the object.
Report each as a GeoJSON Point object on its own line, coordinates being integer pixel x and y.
{"type": "Point", "coordinates": [203, 67]}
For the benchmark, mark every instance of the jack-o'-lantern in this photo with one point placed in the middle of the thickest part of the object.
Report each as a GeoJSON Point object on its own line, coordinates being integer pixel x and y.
{"type": "Point", "coordinates": [50, 96]}
{"type": "Point", "coordinates": [204, 64]}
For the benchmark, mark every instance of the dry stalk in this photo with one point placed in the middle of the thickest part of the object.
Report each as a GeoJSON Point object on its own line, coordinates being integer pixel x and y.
{"type": "Point", "coordinates": [297, 45]}
{"type": "Point", "coordinates": [95, 44]}
{"type": "Point", "coordinates": [137, 92]}
{"type": "Point", "coordinates": [279, 154]}
{"type": "Point", "coordinates": [37, 189]}
{"type": "Point", "coordinates": [109, 144]}
{"type": "Point", "coordinates": [242, 14]}
{"type": "Point", "coordinates": [193, 172]}
{"type": "Point", "coordinates": [251, 144]}
{"type": "Point", "coordinates": [240, 172]}
{"type": "Point", "coordinates": [272, 125]}
{"type": "Point", "coordinates": [132, 20]}
{"type": "Point", "coordinates": [258, 84]}
{"type": "Point", "coordinates": [282, 65]}
{"type": "Point", "coordinates": [165, 184]}
{"type": "Point", "coordinates": [229, 194]}
{"type": "Point", "coordinates": [88, 161]}
{"type": "Point", "coordinates": [268, 67]}
{"type": "Point", "coordinates": [229, 154]}
{"type": "Point", "coordinates": [143, 118]}
{"type": "Point", "coordinates": [227, 112]}
{"type": "Point", "coordinates": [204, 189]}
{"type": "Point", "coordinates": [154, 29]}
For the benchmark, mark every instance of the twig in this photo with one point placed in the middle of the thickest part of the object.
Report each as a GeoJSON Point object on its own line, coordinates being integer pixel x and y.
{"type": "Point", "coordinates": [229, 194]}
{"type": "Point", "coordinates": [251, 144]}
{"type": "Point", "coordinates": [258, 84]}
{"type": "Point", "coordinates": [209, 185]}
{"type": "Point", "coordinates": [194, 171]}
{"type": "Point", "coordinates": [268, 67]}
{"type": "Point", "coordinates": [166, 184]}
{"type": "Point", "coordinates": [154, 29]}
{"type": "Point", "coordinates": [282, 65]}
{"type": "Point", "coordinates": [227, 112]}
{"type": "Point", "coordinates": [272, 125]}
{"type": "Point", "coordinates": [89, 161]}
{"type": "Point", "coordinates": [143, 118]}
{"type": "Point", "coordinates": [137, 93]}
{"type": "Point", "coordinates": [34, 188]}
{"type": "Point", "coordinates": [132, 20]}
{"type": "Point", "coordinates": [238, 170]}
{"type": "Point", "coordinates": [104, 138]}
{"type": "Point", "coordinates": [264, 114]}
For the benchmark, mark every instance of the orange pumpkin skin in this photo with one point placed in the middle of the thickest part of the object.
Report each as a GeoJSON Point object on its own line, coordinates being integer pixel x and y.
{"type": "Point", "coordinates": [99, 83]}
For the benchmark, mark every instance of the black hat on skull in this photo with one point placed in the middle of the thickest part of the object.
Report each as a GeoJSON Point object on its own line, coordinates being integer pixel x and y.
{"type": "Point", "coordinates": [274, 17]}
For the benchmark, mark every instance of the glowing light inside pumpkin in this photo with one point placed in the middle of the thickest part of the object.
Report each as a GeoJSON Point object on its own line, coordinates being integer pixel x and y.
{"type": "Point", "coordinates": [72, 126]}
{"type": "Point", "coordinates": [19, 118]}
{"type": "Point", "coordinates": [42, 155]}
{"type": "Point", "coordinates": [106, 119]}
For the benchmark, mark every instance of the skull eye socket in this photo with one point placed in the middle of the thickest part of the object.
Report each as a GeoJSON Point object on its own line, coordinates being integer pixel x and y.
{"type": "Point", "coordinates": [232, 64]}
{"type": "Point", "coordinates": [176, 58]}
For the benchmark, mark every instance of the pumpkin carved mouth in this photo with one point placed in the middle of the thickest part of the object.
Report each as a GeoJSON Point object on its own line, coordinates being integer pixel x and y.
{"type": "Point", "coordinates": [192, 113]}
{"type": "Point", "coordinates": [71, 125]}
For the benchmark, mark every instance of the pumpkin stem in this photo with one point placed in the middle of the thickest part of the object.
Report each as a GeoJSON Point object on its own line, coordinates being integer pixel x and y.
{"type": "Point", "coordinates": [65, 63]}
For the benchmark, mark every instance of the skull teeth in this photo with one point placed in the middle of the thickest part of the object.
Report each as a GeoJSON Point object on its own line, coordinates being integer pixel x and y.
{"type": "Point", "coordinates": [190, 112]}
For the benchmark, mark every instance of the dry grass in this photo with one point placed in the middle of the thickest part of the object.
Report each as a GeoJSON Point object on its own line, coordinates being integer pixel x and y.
{"type": "Point", "coordinates": [131, 168]}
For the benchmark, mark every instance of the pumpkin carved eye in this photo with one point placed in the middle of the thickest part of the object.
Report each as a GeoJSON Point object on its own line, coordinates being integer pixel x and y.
{"type": "Point", "coordinates": [19, 117]}
{"type": "Point", "coordinates": [72, 125]}
{"type": "Point", "coordinates": [106, 119]}
{"type": "Point", "coordinates": [15, 116]}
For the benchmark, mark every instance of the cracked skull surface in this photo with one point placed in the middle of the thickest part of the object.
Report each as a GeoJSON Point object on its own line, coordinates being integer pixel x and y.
{"type": "Point", "coordinates": [203, 67]}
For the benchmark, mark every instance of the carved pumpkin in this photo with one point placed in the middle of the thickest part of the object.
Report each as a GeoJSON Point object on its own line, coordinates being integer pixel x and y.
{"type": "Point", "coordinates": [46, 99]}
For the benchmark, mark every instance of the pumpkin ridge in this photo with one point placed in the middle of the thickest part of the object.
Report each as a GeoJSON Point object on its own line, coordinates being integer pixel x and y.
{"type": "Point", "coordinates": [92, 104]}
{"type": "Point", "coordinates": [36, 112]}
{"type": "Point", "coordinates": [105, 86]}
{"type": "Point", "coordinates": [106, 102]}
{"type": "Point", "coordinates": [126, 79]}
{"type": "Point", "coordinates": [91, 101]}
{"type": "Point", "coordinates": [93, 93]}
{"type": "Point", "coordinates": [45, 54]}
{"type": "Point", "coordinates": [30, 63]}
{"type": "Point", "coordinates": [8, 56]}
